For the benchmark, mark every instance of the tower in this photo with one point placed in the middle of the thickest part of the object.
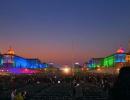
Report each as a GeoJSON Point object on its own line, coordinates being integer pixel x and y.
{"type": "Point", "coordinates": [10, 51]}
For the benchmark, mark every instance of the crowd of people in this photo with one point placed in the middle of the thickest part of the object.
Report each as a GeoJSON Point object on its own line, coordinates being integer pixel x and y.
{"type": "Point", "coordinates": [19, 87]}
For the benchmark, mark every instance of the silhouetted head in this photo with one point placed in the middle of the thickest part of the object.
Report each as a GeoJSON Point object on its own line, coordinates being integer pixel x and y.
{"type": "Point", "coordinates": [124, 74]}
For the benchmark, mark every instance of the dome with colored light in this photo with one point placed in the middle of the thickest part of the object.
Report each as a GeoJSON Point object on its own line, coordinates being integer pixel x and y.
{"type": "Point", "coordinates": [120, 50]}
{"type": "Point", "coordinates": [11, 51]}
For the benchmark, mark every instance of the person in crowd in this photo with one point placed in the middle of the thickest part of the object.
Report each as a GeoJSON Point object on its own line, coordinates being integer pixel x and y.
{"type": "Point", "coordinates": [121, 88]}
{"type": "Point", "coordinates": [13, 93]}
{"type": "Point", "coordinates": [24, 93]}
{"type": "Point", "coordinates": [73, 87]}
{"type": "Point", "coordinates": [83, 89]}
{"type": "Point", "coordinates": [18, 96]}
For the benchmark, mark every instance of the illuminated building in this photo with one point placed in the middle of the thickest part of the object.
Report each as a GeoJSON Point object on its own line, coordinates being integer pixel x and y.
{"type": "Point", "coordinates": [94, 62]}
{"type": "Point", "coordinates": [119, 59]}
{"type": "Point", "coordinates": [114, 60]}
{"type": "Point", "coordinates": [77, 65]}
{"type": "Point", "coordinates": [8, 58]}
{"type": "Point", "coordinates": [120, 50]}
{"type": "Point", "coordinates": [127, 59]}
{"type": "Point", "coordinates": [20, 62]}
{"type": "Point", "coordinates": [11, 60]}
{"type": "Point", "coordinates": [36, 63]}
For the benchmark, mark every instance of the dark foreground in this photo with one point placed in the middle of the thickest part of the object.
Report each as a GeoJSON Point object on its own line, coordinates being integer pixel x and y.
{"type": "Point", "coordinates": [38, 87]}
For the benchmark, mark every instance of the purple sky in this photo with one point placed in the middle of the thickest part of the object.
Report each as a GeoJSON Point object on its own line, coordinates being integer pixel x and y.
{"type": "Point", "coordinates": [64, 31]}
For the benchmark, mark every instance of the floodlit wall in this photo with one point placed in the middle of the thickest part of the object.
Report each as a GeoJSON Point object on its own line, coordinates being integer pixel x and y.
{"type": "Point", "coordinates": [91, 64]}
{"type": "Point", "coordinates": [1, 60]}
{"type": "Point", "coordinates": [127, 58]}
{"type": "Point", "coordinates": [109, 61]}
{"type": "Point", "coordinates": [120, 58]}
{"type": "Point", "coordinates": [95, 62]}
{"type": "Point", "coordinates": [36, 63]}
{"type": "Point", "coordinates": [20, 62]}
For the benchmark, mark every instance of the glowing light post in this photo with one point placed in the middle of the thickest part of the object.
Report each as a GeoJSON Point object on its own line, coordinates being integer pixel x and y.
{"type": "Point", "coordinates": [66, 70]}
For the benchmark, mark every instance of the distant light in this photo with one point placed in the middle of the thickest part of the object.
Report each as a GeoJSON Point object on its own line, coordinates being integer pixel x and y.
{"type": "Point", "coordinates": [66, 70]}
{"type": "Point", "coordinates": [26, 69]}
{"type": "Point", "coordinates": [77, 63]}
{"type": "Point", "coordinates": [58, 82]}
{"type": "Point", "coordinates": [51, 63]}
{"type": "Point", "coordinates": [98, 69]}
{"type": "Point", "coordinates": [77, 85]}
{"type": "Point", "coordinates": [87, 69]}
{"type": "Point", "coordinates": [45, 69]}
{"type": "Point", "coordinates": [118, 69]}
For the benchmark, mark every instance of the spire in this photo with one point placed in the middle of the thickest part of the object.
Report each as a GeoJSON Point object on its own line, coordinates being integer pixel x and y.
{"type": "Point", "coordinates": [10, 51]}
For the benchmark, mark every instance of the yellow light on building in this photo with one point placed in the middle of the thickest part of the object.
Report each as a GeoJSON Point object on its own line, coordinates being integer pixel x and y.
{"type": "Point", "coordinates": [11, 51]}
{"type": "Point", "coordinates": [127, 58]}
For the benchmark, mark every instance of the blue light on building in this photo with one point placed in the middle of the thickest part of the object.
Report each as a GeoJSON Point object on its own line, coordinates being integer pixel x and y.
{"type": "Point", "coordinates": [19, 62]}
{"type": "Point", "coordinates": [16, 64]}
{"type": "Point", "coordinates": [91, 63]}
{"type": "Point", "coordinates": [1, 60]}
{"type": "Point", "coordinates": [34, 63]}
{"type": "Point", "coordinates": [120, 58]}
{"type": "Point", "coordinates": [15, 61]}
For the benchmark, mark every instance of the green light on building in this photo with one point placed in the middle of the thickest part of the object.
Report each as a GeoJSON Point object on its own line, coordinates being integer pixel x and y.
{"type": "Point", "coordinates": [109, 61]}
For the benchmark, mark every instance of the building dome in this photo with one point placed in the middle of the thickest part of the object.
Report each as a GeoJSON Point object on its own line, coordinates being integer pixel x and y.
{"type": "Point", "coordinates": [120, 50]}
{"type": "Point", "coordinates": [11, 51]}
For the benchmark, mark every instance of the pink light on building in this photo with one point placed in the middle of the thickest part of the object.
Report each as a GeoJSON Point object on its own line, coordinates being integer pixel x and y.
{"type": "Point", "coordinates": [120, 50]}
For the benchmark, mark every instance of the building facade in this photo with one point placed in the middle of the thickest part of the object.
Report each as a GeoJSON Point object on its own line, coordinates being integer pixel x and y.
{"type": "Point", "coordinates": [119, 59]}
{"type": "Point", "coordinates": [94, 62]}
{"type": "Point", "coordinates": [1, 60]}
{"type": "Point", "coordinates": [11, 60]}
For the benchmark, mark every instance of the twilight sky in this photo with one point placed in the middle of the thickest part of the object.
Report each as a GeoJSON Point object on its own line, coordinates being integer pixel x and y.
{"type": "Point", "coordinates": [64, 31]}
